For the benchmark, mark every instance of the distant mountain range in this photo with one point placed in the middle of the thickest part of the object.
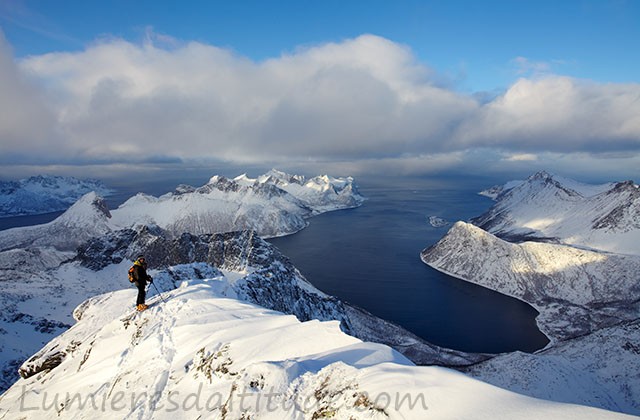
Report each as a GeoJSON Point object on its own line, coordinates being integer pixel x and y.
{"type": "Point", "coordinates": [44, 194]}
{"type": "Point", "coordinates": [573, 254]}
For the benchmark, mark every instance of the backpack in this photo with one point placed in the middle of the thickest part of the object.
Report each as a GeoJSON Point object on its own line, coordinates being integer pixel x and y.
{"type": "Point", "coordinates": [131, 278]}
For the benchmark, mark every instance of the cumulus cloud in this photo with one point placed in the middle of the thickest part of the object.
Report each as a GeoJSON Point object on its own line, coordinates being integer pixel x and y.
{"type": "Point", "coordinates": [25, 122]}
{"type": "Point", "coordinates": [366, 101]}
{"type": "Point", "coordinates": [558, 114]}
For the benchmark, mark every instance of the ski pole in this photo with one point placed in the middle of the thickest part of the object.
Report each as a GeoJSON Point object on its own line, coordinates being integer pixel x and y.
{"type": "Point", "coordinates": [159, 294]}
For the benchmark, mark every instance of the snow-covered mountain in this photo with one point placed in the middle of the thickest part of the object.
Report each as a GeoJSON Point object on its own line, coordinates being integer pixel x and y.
{"type": "Point", "coordinates": [589, 299]}
{"type": "Point", "coordinates": [89, 217]}
{"type": "Point", "coordinates": [275, 204]}
{"type": "Point", "coordinates": [44, 194]}
{"type": "Point", "coordinates": [222, 205]}
{"type": "Point", "coordinates": [321, 193]}
{"type": "Point", "coordinates": [203, 354]}
{"type": "Point", "coordinates": [577, 291]}
{"type": "Point", "coordinates": [547, 207]}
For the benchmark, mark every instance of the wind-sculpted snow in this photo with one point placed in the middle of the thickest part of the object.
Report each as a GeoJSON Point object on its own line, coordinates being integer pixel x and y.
{"type": "Point", "coordinates": [203, 354]}
{"type": "Point", "coordinates": [545, 207]}
{"type": "Point", "coordinates": [44, 194]}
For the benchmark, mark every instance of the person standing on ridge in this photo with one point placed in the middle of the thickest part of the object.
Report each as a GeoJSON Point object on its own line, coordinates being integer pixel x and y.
{"type": "Point", "coordinates": [140, 279]}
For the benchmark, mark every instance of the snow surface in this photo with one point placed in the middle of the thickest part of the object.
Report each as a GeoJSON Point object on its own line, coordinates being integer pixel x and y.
{"type": "Point", "coordinates": [42, 284]}
{"type": "Point", "coordinates": [44, 194]}
{"type": "Point", "coordinates": [203, 354]}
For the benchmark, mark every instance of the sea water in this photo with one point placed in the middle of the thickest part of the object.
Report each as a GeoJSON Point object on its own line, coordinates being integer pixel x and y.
{"type": "Point", "coordinates": [370, 257]}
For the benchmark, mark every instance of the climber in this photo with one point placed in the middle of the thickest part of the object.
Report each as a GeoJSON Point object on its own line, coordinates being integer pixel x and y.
{"type": "Point", "coordinates": [140, 279]}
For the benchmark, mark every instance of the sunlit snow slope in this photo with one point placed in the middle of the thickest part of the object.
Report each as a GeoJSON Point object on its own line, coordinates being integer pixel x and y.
{"type": "Point", "coordinates": [203, 354]}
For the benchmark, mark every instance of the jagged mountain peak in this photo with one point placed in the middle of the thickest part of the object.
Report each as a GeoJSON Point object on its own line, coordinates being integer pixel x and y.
{"type": "Point", "coordinates": [543, 175]}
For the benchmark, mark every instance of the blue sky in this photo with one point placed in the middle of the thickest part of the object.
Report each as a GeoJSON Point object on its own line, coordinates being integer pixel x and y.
{"type": "Point", "coordinates": [473, 42]}
{"type": "Point", "coordinates": [479, 70]}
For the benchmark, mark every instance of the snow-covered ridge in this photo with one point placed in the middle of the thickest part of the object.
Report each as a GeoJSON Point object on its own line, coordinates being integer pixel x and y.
{"type": "Point", "coordinates": [44, 194]}
{"type": "Point", "coordinates": [551, 208]}
{"type": "Point", "coordinates": [89, 217]}
{"type": "Point", "coordinates": [222, 205]}
{"type": "Point", "coordinates": [322, 193]}
{"type": "Point", "coordinates": [202, 354]}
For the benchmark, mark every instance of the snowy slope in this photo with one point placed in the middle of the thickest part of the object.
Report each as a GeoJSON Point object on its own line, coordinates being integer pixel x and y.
{"type": "Point", "coordinates": [203, 354]}
{"type": "Point", "coordinates": [600, 369]}
{"type": "Point", "coordinates": [547, 207]}
{"type": "Point", "coordinates": [44, 194]}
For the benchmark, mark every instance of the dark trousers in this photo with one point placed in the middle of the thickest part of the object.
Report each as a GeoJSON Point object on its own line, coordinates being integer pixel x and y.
{"type": "Point", "coordinates": [141, 293]}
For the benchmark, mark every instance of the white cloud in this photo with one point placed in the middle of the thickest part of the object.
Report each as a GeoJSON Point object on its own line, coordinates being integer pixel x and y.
{"type": "Point", "coordinates": [558, 114]}
{"type": "Point", "coordinates": [25, 122]}
{"type": "Point", "coordinates": [366, 101]}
